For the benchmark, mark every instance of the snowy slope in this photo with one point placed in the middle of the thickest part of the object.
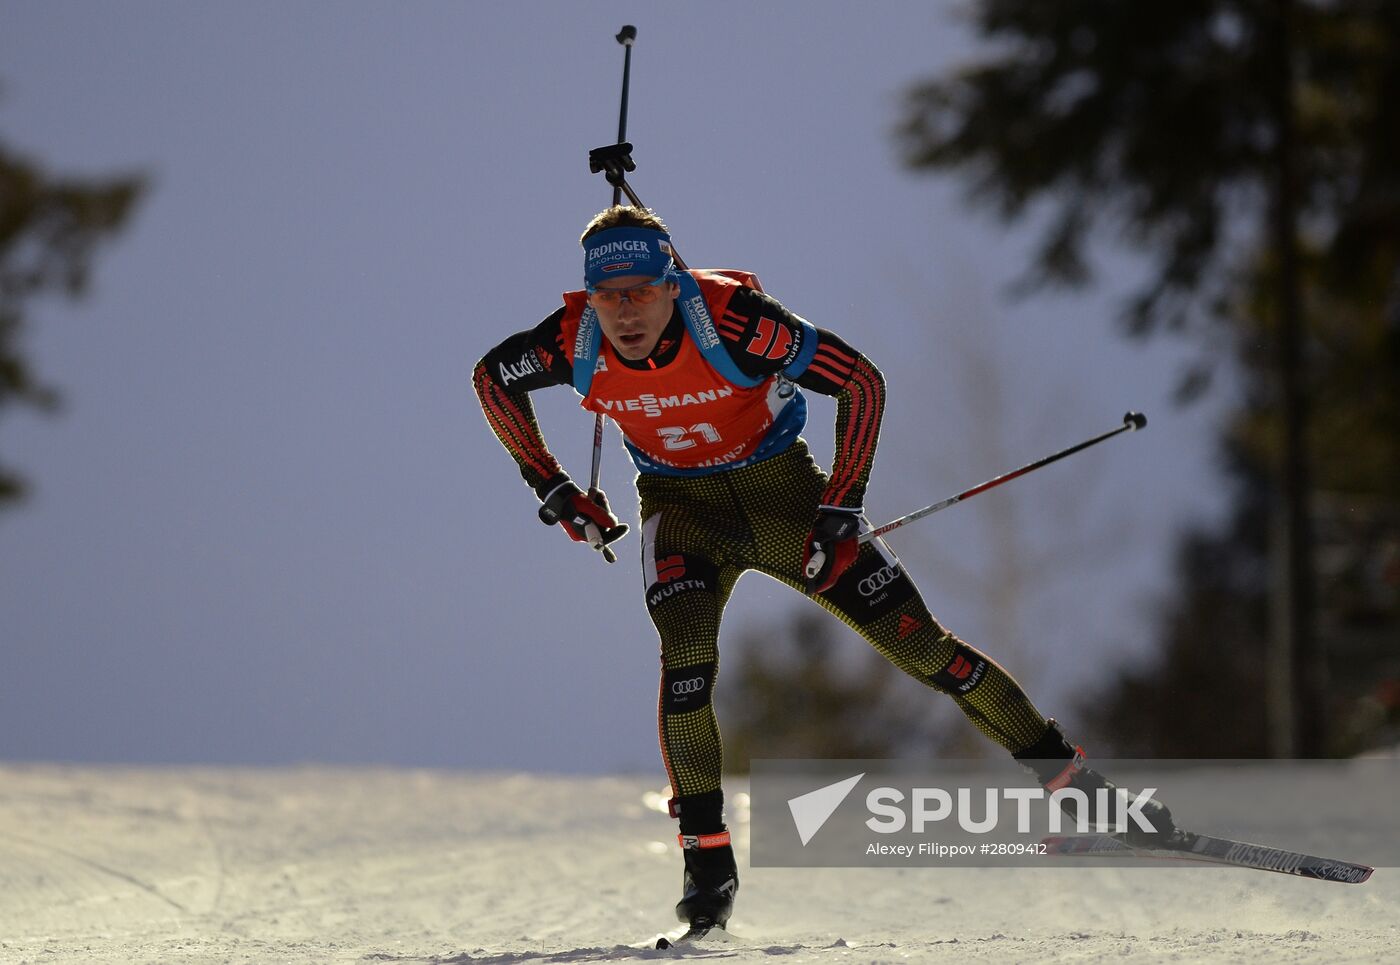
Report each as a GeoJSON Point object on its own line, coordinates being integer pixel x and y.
{"type": "Point", "coordinates": [343, 865]}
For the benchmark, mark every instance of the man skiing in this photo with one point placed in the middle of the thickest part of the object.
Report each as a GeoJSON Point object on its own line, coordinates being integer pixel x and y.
{"type": "Point", "coordinates": [704, 374]}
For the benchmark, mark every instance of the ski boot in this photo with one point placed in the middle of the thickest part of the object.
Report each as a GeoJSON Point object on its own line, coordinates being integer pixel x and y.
{"type": "Point", "coordinates": [1056, 764]}
{"type": "Point", "coordinates": [711, 879]}
{"type": "Point", "coordinates": [710, 882]}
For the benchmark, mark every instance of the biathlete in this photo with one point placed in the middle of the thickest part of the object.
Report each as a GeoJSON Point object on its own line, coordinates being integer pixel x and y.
{"type": "Point", "coordinates": [704, 374]}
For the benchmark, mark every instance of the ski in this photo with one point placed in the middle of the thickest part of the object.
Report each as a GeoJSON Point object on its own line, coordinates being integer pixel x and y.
{"type": "Point", "coordinates": [698, 930]}
{"type": "Point", "coordinates": [1190, 846]}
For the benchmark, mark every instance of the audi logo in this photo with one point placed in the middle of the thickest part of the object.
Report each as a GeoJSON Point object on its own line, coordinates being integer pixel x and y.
{"type": "Point", "coordinates": [693, 685]}
{"type": "Point", "coordinates": [878, 580]}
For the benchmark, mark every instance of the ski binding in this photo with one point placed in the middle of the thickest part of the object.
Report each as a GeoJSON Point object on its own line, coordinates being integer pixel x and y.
{"type": "Point", "coordinates": [699, 929]}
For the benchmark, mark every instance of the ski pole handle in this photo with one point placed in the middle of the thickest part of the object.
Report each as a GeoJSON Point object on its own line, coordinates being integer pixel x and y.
{"type": "Point", "coordinates": [600, 539]}
{"type": "Point", "coordinates": [600, 543]}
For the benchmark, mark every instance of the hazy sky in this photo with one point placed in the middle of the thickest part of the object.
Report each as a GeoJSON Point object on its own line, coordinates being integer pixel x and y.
{"type": "Point", "coordinates": [272, 525]}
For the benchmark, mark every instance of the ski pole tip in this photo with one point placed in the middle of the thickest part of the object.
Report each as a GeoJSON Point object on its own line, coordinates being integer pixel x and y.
{"type": "Point", "coordinates": [627, 36]}
{"type": "Point", "coordinates": [1134, 420]}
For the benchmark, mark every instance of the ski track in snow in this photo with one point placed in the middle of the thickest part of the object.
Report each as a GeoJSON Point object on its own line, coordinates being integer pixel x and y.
{"type": "Point", "coordinates": [319, 865]}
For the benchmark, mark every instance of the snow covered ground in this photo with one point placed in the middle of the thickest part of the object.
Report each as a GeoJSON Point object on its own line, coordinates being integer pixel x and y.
{"type": "Point", "coordinates": [376, 865]}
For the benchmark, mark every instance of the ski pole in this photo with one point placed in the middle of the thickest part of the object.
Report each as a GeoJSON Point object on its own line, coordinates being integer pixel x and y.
{"type": "Point", "coordinates": [1132, 421]}
{"type": "Point", "coordinates": [604, 157]}
{"type": "Point", "coordinates": [626, 36]}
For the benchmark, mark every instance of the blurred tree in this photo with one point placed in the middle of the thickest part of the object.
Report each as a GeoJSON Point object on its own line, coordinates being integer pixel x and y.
{"type": "Point", "coordinates": [49, 230]}
{"type": "Point", "coordinates": [1199, 696]}
{"type": "Point", "coordinates": [1250, 149]}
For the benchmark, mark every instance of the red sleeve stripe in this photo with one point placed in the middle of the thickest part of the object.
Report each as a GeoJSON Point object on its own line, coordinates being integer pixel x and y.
{"type": "Point", "coordinates": [524, 444]}
{"type": "Point", "coordinates": [513, 426]}
{"type": "Point", "coordinates": [842, 372]}
{"type": "Point", "coordinates": [838, 380]}
{"type": "Point", "coordinates": [836, 354]}
{"type": "Point", "coordinates": [855, 457]}
{"type": "Point", "coordinates": [529, 447]}
{"type": "Point", "coordinates": [504, 418]}
{"type": "Point", "coordinates": [835, 360]}
{"type": "Point", "coordinates": [730, 329]}
{"type": "Point", "coordinates": [858, 415]}
{"type": "Point", "coordinates": [868, 383]}
{"type": "Point", "coordinates": [833, 363]}
{"type": "Point", "coordinates": [857, 441]}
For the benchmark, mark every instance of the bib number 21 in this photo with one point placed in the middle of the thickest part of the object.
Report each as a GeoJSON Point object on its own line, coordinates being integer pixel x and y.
{"type": "Point", "coordinates": [680, 437]}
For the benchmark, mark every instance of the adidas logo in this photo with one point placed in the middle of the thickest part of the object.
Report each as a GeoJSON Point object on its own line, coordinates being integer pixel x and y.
{"type": "Point", "coordinates": [908, 625]}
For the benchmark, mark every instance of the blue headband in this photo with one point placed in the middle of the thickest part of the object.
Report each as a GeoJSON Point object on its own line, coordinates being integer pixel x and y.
{"type": "Point", "coordinates": [626, 251]}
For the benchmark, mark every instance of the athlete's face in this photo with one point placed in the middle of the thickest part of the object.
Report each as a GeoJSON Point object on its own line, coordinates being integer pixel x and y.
{"type": "Point", "coordinates": [633, 311]}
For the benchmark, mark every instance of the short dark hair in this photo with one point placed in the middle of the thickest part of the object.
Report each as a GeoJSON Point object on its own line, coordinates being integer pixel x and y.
{"type": "Point", "coordinates": [623, 216]}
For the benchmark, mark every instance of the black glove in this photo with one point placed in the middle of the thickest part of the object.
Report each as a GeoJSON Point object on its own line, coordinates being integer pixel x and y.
{"type": "Point", "coordinates": [586, 518]}
{"type": "Point", "coordinates": [830, 548]}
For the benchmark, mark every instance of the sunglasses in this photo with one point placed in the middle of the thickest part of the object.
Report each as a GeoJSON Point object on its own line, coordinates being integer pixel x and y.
{"type": "Point", "coordinates": [643, 294]}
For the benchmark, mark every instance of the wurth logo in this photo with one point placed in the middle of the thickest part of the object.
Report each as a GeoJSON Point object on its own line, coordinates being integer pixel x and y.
{"type": "Point", "coordinates": [964, 673]}
{"type": "Point", "coordinates": [772, 341]}
{"type": "Point", "coordinates": [670, 568]}
{"type": "Point", "coordinates": [960, 667]}
{"type": "Point", "coordinates": [673, 587]}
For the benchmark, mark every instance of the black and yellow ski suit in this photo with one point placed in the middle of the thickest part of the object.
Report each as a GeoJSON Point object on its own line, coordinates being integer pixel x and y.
{"type": "Point", "coordinates": [706, 520]}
